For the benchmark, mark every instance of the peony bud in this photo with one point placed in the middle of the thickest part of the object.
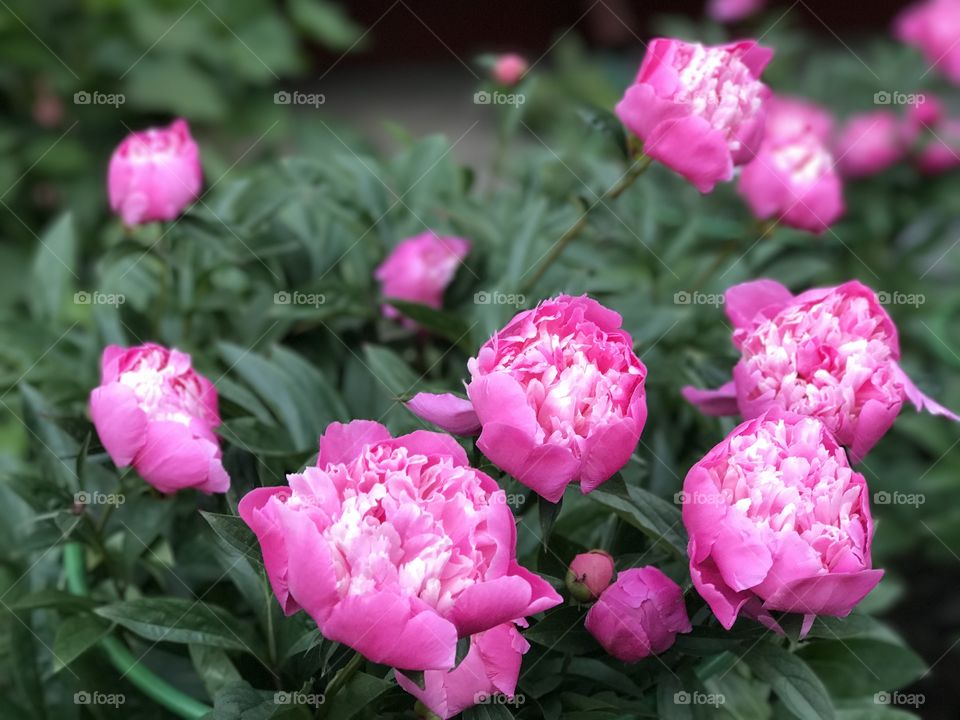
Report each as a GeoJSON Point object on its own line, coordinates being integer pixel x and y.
{"type": "Point", "coordinates": [509, 68]}
{"type": "Point", "coordinates": [589, 575]}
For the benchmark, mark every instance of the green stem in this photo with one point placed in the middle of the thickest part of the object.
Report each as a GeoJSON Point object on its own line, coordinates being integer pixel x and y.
{"type": "Point", "coordinates": [340, 679]}
{"type": "Point", "coordinates": [123, 660]}
{"type": "Point", "coordinates": [636, 170]}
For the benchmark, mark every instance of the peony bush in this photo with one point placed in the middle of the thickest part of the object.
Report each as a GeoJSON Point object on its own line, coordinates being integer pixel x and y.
{"type": "Point", "coordinates": [348, 435]}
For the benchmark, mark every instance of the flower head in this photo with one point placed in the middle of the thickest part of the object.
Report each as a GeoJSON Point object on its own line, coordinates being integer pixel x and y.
{"type": "Point", "coordinates": [589, 575]}
{"type": "Point", "coordinates": [731, 11]}
{"type": "Point", "coordinates": [778, 521]}
{"type": "Point", "coordinates": [933, 27]}
{"type": "Point", "coordinates": [870, 143]}
{"type": "Point", "coordinates": [509, 68]}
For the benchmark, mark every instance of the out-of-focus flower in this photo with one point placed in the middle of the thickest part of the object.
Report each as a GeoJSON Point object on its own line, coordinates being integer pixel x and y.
{"type": "Point", "coordinates": [792, 178]}
{"type": "Point", "coordinates": [589, 575]}
{"type": "Point", "coordinates": [558, 393]}
{"type": "Point", "coordinates": [830, 353]}
{"type": "Point", "coordinates": [869, 143]}
{"type": "Point", "coordinates": [731, 11]}
{"type": "Point", "coordinates": [419, 269]}
{"type": "Point", "coordinates": [639, 615]}
{"type": "Point", "coordinates": [152, 411]}
{"type": "Point", "coordinates": [935, 136]}
{"type": "Point", "coordinates": [154, 174]}
{"type": "Point", "coordinates": [396, 547]}
{"type": "Point", "coordinates": [699, 109]}
{"type": "Point", "coordinates": [778, 521]}
{"type": "Point", "coordinates": [491, 667]}
{"type": "Point", "coordinates": [509, 68]}
{"type": "Point", "coordinates": [933, 27]}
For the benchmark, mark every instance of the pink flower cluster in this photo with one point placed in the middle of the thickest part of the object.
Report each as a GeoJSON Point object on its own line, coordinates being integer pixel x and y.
{"type": "Point", "coordinates": [829, 353]}
{"type": "Point", "coordinates": [933, 26]}
{"type": "Point", "coordinates": [152, 411]}
{"type": "Point", "coordinates": [558, 395]}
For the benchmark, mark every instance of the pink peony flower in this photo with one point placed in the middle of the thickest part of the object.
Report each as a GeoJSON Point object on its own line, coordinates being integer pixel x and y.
{"type": "Point", "coordinates": [419, 270]}
{"type": "Point", "coordinates": [869, 143]}
{"type": "Point", "coordinates": [778, 521]}
{"type": "Point", "coordinates": [935, 135]}
{"type": "Point", "coordinates": [933, 27]}
{"type": "Point", "coordinates": [731, 11]}
{"type": "Point", "coordinates": [589, 575]}
{"type": "Point", "coordinates": [152, 411]}
{"type": "Point", "coordinates": [698, 109]}
{"type": "Point", "coordinates": [509, 68]}
{"type": "Point", "coordinates": [558, 393]}
{"type": "Point", "coordinates": [830, 353]}
{"type": "Point", "coordinates": [154, 174]}
{"type": "Point", "coordinates": [792, 178]}
{"type": "Point", "coordinates": [492, 666]}
{"type": "Point", "coordinates": [639, 615]}
{"type": "Point", "coordinates": [396, 547]}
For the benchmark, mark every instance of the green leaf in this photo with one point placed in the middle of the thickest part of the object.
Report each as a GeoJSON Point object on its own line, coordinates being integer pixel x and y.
{"type": "Point", "coordinates": [356, 695]}
{"type": "Point", "coordinates": [390, 369]}
{"type": "Point", "coordinates": [487, 711]}
{"type": "Point", "coordinates": [562, 630]}
{"type": "Point", "coordinates": [234, 533]}
{"type": "Point", "coordinates": [548, 512]}
{"type": "Point", "coordinates": [75, 635]}
{"type": "Point", "coordinates": [50, 598]}
{"type": "Point", "coordinates": [54, 269]}
{"type": "Point", "coordinates": [326, 23]}
{"type": "Point", "coordinates": [797, 686]}
{"type": "Point", "coordinates": [440, 322]}
{"type": "Point", "coordinates": [179, 620]}
{"type": "Point", "coordinates": [652, 515]}
{"type": "Point", "coordinates": [214, 667]}
{"type": "Point", "coordinates": [862, 666]}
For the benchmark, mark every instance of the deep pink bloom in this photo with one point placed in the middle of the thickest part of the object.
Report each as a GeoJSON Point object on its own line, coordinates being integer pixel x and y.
{"type": "Point", "coordinates": [731, 11]}
{"type": "Point", "coordinates": [830, 353]}
{"type": "Point", "coordinates": [639, 615]}
{"type": "Point", "coordinates": [698, 109]}
{"type": "Point", "coordinates": [778, 521]}
{"type": "Point", "coordinates": [935, 135]}
{"type": "Point", "coordinates": [152, 411]}
{"type": "Point", "coordinates": [491, 667]}
{"type": "Point", "coordinates": [559, 395]}
{"type": "Point", "coordinates": [396, 547]}
{"type": "Point", "coordinates": [589, 575]}
{"type": "Point", "coordinates": [509, 68]}
{"type": "Point", "coordinates": [869, 143]}
{"type": "Point", "coordinates": [154, 174]}
{"type": "Point", "coordinates": [792, 178]}
{"type": "Point", "coordinates": [420, 268]}
{"type": "Point", "coordinates": [933, 27]}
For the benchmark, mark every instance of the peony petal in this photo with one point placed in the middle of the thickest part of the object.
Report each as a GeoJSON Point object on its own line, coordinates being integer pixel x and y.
{"type": "Point", "coordinates": [447, 411]}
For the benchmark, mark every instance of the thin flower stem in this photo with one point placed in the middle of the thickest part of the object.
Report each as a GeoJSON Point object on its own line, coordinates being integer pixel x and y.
{"type": "Point", "coordinates": [339, 680]}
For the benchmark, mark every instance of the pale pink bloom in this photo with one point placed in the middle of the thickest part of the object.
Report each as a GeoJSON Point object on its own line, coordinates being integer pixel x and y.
{"type": "Point", "coordinates": [509, 68]}
{"type": "Point", "coordinates": [698, 109]}
{"type": "Point", "coordinates": [154, 174]}
{"type": "Point", "coordinates": [589, 575]}
{"type": "Point", "coordinates": [830, 353]}
{"type": "Point", "coordinates": [419, 269]}
{"type": "Point", "coordinates": [639, 615]}
{"type": "Point", "coordinates": [153, 411]}
{"type": "Point", "coordinates": [731, 11]}
{"type": "Point", "coordinates": [558, 394]}
{"type": "Point", "coordinates": [778, 522]}
{"type": "Point", "coordinates": [869, 143]}
{"type": "Point", "coordinates": [792, 179]}
{"type": "Point", "coordinates": [933, 27]}
{"type": "Point", "coordinates": [491, 667]}
{"type": "Point", "coordinates": [396, 547]}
